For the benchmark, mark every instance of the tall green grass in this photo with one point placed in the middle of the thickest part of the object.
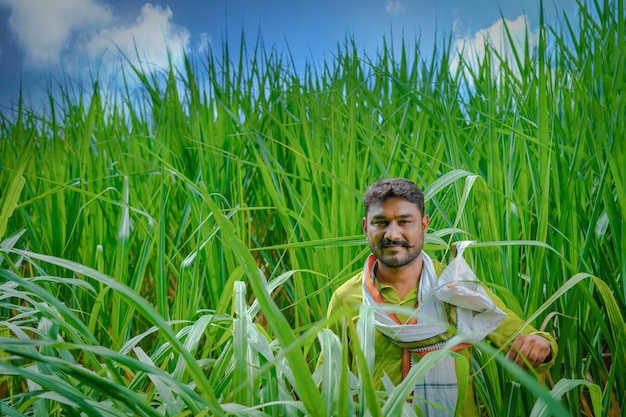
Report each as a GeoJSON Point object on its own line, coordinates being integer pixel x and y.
{"type": "Point", "coordinates": [172, 250]}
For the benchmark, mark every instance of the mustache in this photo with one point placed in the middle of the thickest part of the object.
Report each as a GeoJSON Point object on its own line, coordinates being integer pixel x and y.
{"type": "Point", "coordinates": [389, 242]}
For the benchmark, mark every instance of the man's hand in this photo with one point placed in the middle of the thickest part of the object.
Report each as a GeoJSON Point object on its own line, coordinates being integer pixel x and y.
{"type": "Point", "coordinates": [534, 348]}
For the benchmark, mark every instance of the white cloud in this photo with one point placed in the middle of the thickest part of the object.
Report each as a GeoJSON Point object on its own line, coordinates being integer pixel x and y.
{"type": "Point", "coordinates": [150, 36]}
{"type": "Point", "coordinates": [471, 49]}
{"type": "Point", "coordinates": [44, 27]}
{"type": "Point", "coordinates": [205, 44]}
{"type": "Point", "coordinates": [73, 33]}
{"type": "Point", "coordinates": [394, 7]}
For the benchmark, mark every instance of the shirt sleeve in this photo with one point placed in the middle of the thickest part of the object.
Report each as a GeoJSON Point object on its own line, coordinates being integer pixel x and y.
{"type": "Point", "coordinates": [347, 296]}
{"type": "Point", "coordinates": [513, 326]}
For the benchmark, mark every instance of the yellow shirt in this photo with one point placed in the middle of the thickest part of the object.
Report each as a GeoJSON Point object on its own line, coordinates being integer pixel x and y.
{"type": "Point", "coordinates": [389, 355]}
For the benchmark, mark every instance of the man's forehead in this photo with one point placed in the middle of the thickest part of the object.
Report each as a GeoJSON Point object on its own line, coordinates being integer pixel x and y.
{"type": "Point", "coordinates": [398, 207]}
{"type": "Point", "coordinates": [397, 216]}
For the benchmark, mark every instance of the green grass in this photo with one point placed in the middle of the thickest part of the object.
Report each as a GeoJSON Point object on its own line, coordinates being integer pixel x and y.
{"type": "Point", "coordinates": [172, 250]}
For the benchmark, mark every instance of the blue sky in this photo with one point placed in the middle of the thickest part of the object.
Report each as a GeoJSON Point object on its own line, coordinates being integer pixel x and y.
{"type": "Point", "coordinates": [41, 39]}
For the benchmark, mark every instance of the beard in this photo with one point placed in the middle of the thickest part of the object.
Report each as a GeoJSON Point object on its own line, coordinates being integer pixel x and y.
{"type": "Point", "coordinates": [406, 256]}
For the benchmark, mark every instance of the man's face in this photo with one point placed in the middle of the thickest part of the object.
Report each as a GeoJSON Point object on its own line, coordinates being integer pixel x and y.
{"type": "Point", "coordinates": [395, 230]}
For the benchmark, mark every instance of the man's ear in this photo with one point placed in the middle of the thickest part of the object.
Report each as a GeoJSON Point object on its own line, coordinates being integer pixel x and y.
{"type": "Point", "coordinates": [425, 221]}
{"type": "Point", "coordinates": [364, 224]}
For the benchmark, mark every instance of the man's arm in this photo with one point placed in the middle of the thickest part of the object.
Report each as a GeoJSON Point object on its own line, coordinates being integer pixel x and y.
{"type": "Point", "coordinates": [539, 348]}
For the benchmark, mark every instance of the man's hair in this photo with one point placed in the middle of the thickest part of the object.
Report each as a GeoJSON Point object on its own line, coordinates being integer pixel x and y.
{"type": "Point", "coordinates": [383, 190]}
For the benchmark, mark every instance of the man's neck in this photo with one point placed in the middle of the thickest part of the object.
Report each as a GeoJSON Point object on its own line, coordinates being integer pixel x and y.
{"type": "Point", "coordinates": [403, 279]}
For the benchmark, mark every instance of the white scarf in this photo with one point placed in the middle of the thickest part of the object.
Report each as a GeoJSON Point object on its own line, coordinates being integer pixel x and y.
{"type": "Point", "coordinates": [472, 313]}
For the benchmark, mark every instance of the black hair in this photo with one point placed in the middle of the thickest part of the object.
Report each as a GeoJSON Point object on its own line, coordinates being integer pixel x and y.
{"type": "Point", "coordinates": [383, 190]}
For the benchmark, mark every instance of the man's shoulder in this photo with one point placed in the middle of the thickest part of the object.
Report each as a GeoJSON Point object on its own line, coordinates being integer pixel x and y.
{"type": "Point", "coordinates": [351, 286]}
{"type": "Point", "coordinates": [439, 267]}
{"type": "Point", "coordinates": [350, 292]}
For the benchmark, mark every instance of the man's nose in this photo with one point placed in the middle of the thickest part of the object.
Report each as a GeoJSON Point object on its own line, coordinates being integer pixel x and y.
{"type": "Point", "coordinates": [393, 231]}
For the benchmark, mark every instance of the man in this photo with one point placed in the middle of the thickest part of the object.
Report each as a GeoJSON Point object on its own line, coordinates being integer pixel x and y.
{"type": "Point", "coordinates": [395, 226]}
